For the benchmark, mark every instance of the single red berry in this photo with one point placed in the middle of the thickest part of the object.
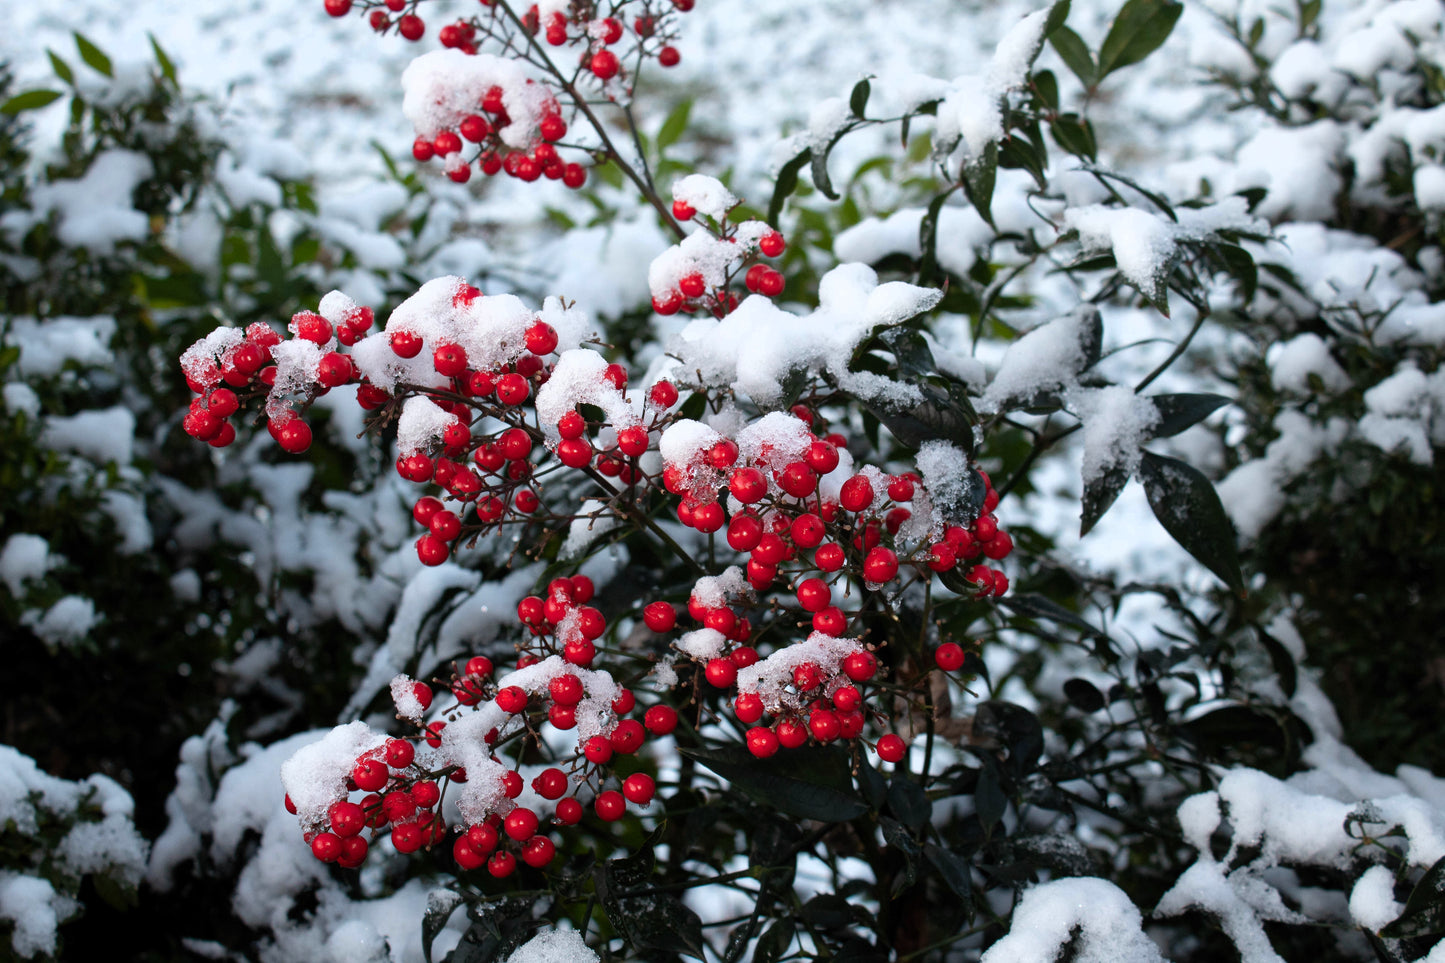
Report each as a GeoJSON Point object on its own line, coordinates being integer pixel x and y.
{"type": "Point", "coordinates": [326, 847]}
{"type": "Point", "coordinates": [748, 707]}
{"type": "Point", "coordinates": [856, 493]}
{"type": "Point", "coordinates": [663, 395]}
{"type": "Point", "coordinates": [551, 784]}
{"type": "Point", "coordinates": [399, 753]}
{"type": "Point", "coordinates": [290, 806]}
{"type": "Point", "coordinates": [520, 824]}
{"type": "Point", "coordinates": [771, 285]}
{"type": "Point", "coordinates": [566, 690]}
{"type": "Point", "coordinates": [830, 621]}
{"type": "Point", "coordinates": [667, 304]}
{"type": "Point", "coordinates": [347, 818]}
{"type": "Point", "coordinates": [829, 557]}
{"type": "Point", "coordinates": [771, 244]}
{"type": "Point", "coordinates": [610, 805]}
{"type": "Point", "coordinates": [720, 619]}
{"type": "Point", "coordinates": [569, 811]}
{"type": "Point", "coordinates": [807, 677]}
{"type": "Point", "coordinates": [683, 211]}
{"type": "Point", "coordinates": [466, 854]}
{"type": "Point", "coordinates": [632, 441]}
{"type": "Point", "coordinates": [825, 725]}
{"type": "Point", "coordinates": [579, 652]}
{"type": "Point", "coordinates": [574, 452]}
{"type": "Point", "coordinates": [814, 595]}
{"type": "Point", "coordinates": [660, 616]}
{"type": "Point", "coordinates": [574, 175]}
{"type": "Point", "coordinates": [822, 457]}
{"type": "Point", "coordinates": [541, 338]}
{"type": "Point", "coordinates": [791, 734]}
{"type": "Point", "coordinates": [598, 750]}
{"type": "Point", "coordinates": [404, 344]}
{"type": "Point", "coordinates": [660, 720]}
{"type": "Point", "coordinates": [411, 27]}
{"type": "Point", "coordinates": [847, 698]}
{"type": "Point", "coordinates": [949, 656]}
{"type": "Point", "coordinates": [552, 128]}
{"type": "Point", "coordinates": [538, 851]}
{"type": "Point", "coordinates": [512, 389]}
{"type": "Point", "coordinates": [880, 565]}
{"type": "Point", "coordinates": [502, 864]}
{"type": "Point", "coordinates": [294, 436]}
{"type": "Point", "coordinates": [628, 737]}
{"type": "Point", "coordinates": [432, 550]}
{"type": "Point", "coordinates": [721, 673]}
{"type": "Point", "coordinates": [370, 775]}
{"type": "Point", "coordinates": [860, 666]}
{"type": "Point", "coordinates": [512, 783]}
{"type": "Point", "coordinates": [639, 788]}
{"type": "Point", "coordinates": [433, 734]}
{"type": "Point", "coordinates": [744, 655]}
{"type": "Point", "coordinates": [338, 8]}
{"type": "Point", "coordinates": [668, 56]}
{"type": "Point", "coordinates": [798, 480]}
{"type": "Point", "coordinates": [624, 703]}
{"type": "Point", "coordinates": [426, 794]}
{"type": "Point", "coordinates": [985, 528]}
{"type": "Point", "coordinates": [562, 717]}
{"type": "Point", "coordinates": [512, 699]}
{"type": "Point", "coordinates": [483, 837]}
{"type": "Point", "coordinates": [604, 64]}
{"type": "Point", "coordinates": [423, 694]}
{"type": "Point", "coordinates": [353, 852]}
{"type": "Point", "coordinates": [762, 742]}
{"type": "Point", "coordinates": [692, 285]}
{"type": "Point", "coordinates": [999, 546]}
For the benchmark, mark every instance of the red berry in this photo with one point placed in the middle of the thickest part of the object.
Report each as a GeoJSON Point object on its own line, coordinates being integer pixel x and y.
{"type": "Point", "coordinates": [748, 707]}
{"type": "Point", "coordinates": [860, 666]}
{"type": "Point", "coordinates": [639, 788]}
{"type": "Point", "coordinates": [569, 811]}
{"type": "Point", "coordinates": [624, 703]}
{"type": "Point", "coordinates": [791, 734]}
{"type": "Point", "coordinates": [563, 717]}
{"type": "Point", "coordinates": [829, 557]}
{"type": "Point", "coordinates": [668, 56]}
{"type": "Point", "coordinates": [825, 725]}
{"type": "Point", "coordinates": [370, 775]}
{"type": "Point", "coordinates": [880, 565]}
{"type": "Point", "coordinates": [807, 530]}
{"type": "Point", "coordinates": [326, 847]}
{"type": "Point", "coordinates": [541, 338]}
{"type": "Point", "coordinates": [814, 595]}
{"type": "Point", "coordinates": [466, 854]}
{"type": "Point", "coordinates": [660, 720]}
{"type": "Point", "coordinates": [669, 303]}
{"type": "Point", "coordinates": [771, 285]}
{"type": "Point", "coordinates": [660, 616]}
{"type": "Point", "coordinates": [411, 27]}
{"type": "Point", "coordinates": [822, 457]}
{"type": "Point", "coordinates": [294, 436]}
{"type": "Point", "coordinates": [744, 655]}
{"type": "Point", "coordinates": [949, 656]}
{"type": "Point", "coordinates": [538, 851]}
{"type": "Point", "coordinates": [432, 550]}
{"type": "Point", "coordinates": [771, 244]}
{"type": "Point", "coordinates": [426, 794]}
{"type": "Point", "coordinates": [598, 750]}
{"type": "Point", "coordinates": [692, 285]}
{"type": "Point", "coordinates": [628, 737]}
{"type": "Point", "coordinates": [347, 818]}
{"type": "Point", "coordinates": [566, 690]}
{"type": "Point", "coordinates": [574, 175]}
{"type": "Point", "coordinates": [404, 344]}
{"type": "Point", "coordinates": [762, 742]}
{"type": "Point", "coordinates": [551, 784]}
{"type": "Point", "coordinates": [830, 621]}
{"type": "Point", "coordinates": [502, 864]}
{"type": "Point", "coordinates": [521, 823]}
{"type": "Point", "coordinates": [999, 546]}
{"type": "Point", "coordinates": [798, 480]}
{"type": "Point", "coordinates": [807, 677]}
{"type": "Point", "coordinates": [574, 452]}
{"type": "Point", "coordinates": [683, 211]}
{"type": "Point", "coordinates": [721, 673]}
{"type": "Point", "coordinates": [856, 493]}
{"type": "Point", "coordinates": [632, 441]}
{"type": "Point", "coordinates": [664, 395]}
{"type": "Point", "coordinates": [338, 8]}
{"type": "Point", "coordinates": [512, 389]}
{"type": "Point", "coordinates": [610, 805]}
{"type": "Point", "coordinates": [847, 698]}
{"type": "Point", "coordinates": [512, 784]}
{"type": "Point", "coordinates": [604, 64]}
{"type": "Point", "coordinates": [512, 699]}
{"type": "Point", "coordinates": [552, 128]}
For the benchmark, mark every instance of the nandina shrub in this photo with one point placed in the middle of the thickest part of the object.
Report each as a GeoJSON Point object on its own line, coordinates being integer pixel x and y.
{"type": "Point", "coordinates": [715, 651]}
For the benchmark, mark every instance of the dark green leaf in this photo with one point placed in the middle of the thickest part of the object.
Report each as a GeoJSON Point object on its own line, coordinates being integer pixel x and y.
{"type": "Point", "coordinates": [775, 941]}
{"type": "Point", "coordinates": [828, 911]}
{"type": "Point", "coordinates": [1016, 728]}
{"type": "Point", "coordinates": [819, 168]}
{"type": "Point", "coordinates": [1138, 30]}
{"type": "Point", "coordinates": [30, 100]}
{"type": "Point", "coordinates": [1188, 507]}
{"type": "Point", "coordinates": [1040, 607]}
{"type": "Point", "coordinates": [1075, 135]}
{"type": "Point", "coordinates": [786, 184]}
{"type": "Point", "coordinates": [1227, 729]}
{"type": "Point", "coordinates": [1019, 154]}
{"type": "Point", "coordinates": [1283, 662]}
{"type": "Point", "coordinates": [1424, 913]}
{"type": "Point", "coordinates": [1084, 695]}
{"type": "Point", "coordinates": [674, 126]}
{"type": "Point", "coordinates": [1181, 411]}
{"type": "Point", "coordinates": [895, 834]}
{"type": "Point", "coordinates": [928, 238]}
{"type": "Point", "coordinates": [1241, 267]}
{"type": "Point", "coordinates": [440, 904]}
{"type": "Point", "coordinates": [811, 783]}
{"type": "Point", "coordinates": [908, 803]}
{"type": "Point", "coordinates": [658, 921]}
{"type": "Point", "coordinates": [979, 175]}
{"type": "Point", "coordinates": [1100, 493]}
{"type": "Point", "coordinates": [1047, 86]}
{"type": "Point", "coordinates": [1058, 13]}
{"type": "Point", "coordinates": [168, 68]}
{"type": "Point", "coordinates": [1075, 54]}
{"type": "Point", "coordinates": [989, 800]}
{"type": "Point", "coordinates": [954, 869]}
{"type": "Point", "coordinates": [93, 56]}
{"type": "Point", "coordinates": [61, 68]}
{"type": "Point", "coordinates": [858, 99]}
{"type": "Point", "coordinates": [872, 784]}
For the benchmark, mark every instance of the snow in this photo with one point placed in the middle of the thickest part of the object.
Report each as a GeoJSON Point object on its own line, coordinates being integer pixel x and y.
{"type": "Point", "coordinates": [706, 195]}
{"type": "Point", "coordinates": [45, 348]}
{"type": "Point", "coordinates": [1045, 359]}
{"type": "Point", "coordinates": [1117, 423]}
{"type": "Point", "coordinates": [102, 435]}
{"type": "Point", "coordinates": [67, 622]}
{"type": "Point", "coordinates": [1293, 363]}
{"type": "Point", "coordinates": [554, 946]}
{"type": "Point", "coordinates": [24, 558]}
{"type": "Point", "coordinates": [96, 212]}
{"type": "Point", "coordinates": [36, 910]}
{"type": "Point", "coordinates": [1109, 928]}
{"type": "Point", "coordinates": [1372, 901]}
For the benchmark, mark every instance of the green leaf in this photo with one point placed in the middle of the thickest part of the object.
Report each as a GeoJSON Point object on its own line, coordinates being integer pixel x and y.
{"type": "Point", "coordinates": [1283, 662]}
{"type": "Point", "coordinates": [674, 126]}
{"type": "Point", "coordinates": [858, 99]}
{"type": "Point", "coordinates": [1058, 13]}
{"type": "Point", "coordinates": [989, 800]}
{"type": "Point", "coordinates": [1075, 54]}
{"type": "Point", "coordinates": [979, 174]}
{"type": "Point", "coordinates": [928, 238]}
{"type": "Point", "coordinates": [1100, 493]}
{"type": "Point", "coordinates": [1083, 695]}
{"type": "Point", "coordinates": [29, 100]}
{"type": "Point", "coordinates": [1040, 607]}
{"type": "Point", "coordinates": [1015, 727]}
{"type": "Point", "coordinates": [1424, 913]}
{"type": "Point", "coordinates": [1138, 30]}
{"type": "Point", "coordinates": [168, 67]}
{"type": "Point", "coordinates": [786, 184]}
{"type": "Point", "coordinates": [61, 68]}
{"type": "Point", "coordinates": [828, 911]}
{"type": "Point", "coordinates": [908, 802]}
{"type": "Point", "coordinates": [1181, 411]}
{"type": "Point", "coordinates": [810, 783]}
{"type": "Point", "coordinates": [93, 56]}
{"type": "Point", "coordinates": [658, 921]}
{"type": "Point", "coordinates": [955, 870]}
{"type": "Point", "coordinates": [1047, 86]}
{"type": "Point", "coordinates": [1188, 507]}
{"type": "Point", "coordinates": [775, 941]}
{"type": "Point", "coordinates": [1240, 266]}
{"type": "Point", "coordinates": [440, 904]}
{"type": "Point", "coordinates": [1019, 154]}
{"type": "Point", "coordinates": [895, 835]}
{"type": "Point", "coordinates": [1075, 135]}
